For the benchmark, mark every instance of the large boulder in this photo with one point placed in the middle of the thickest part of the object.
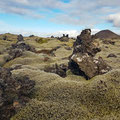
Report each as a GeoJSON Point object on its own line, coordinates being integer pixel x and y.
{"type": "Point", "coordinates": [82, 61]}
{"type": "Point", "coordinates": [23, 46]}
{"type": "Point", "coordinates": [87, 66]}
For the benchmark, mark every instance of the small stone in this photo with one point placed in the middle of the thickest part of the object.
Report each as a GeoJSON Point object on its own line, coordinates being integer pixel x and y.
{"type": "Point", "coordinates": [111, 55]}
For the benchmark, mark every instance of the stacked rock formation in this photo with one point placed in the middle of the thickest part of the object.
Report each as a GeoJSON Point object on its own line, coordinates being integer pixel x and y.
{"type": "Point", "coordinates": [64, 38]}
{"type": "Point", "coordinates": [82, 61]}
{"type": "Point", "coordinates": [14, 93]}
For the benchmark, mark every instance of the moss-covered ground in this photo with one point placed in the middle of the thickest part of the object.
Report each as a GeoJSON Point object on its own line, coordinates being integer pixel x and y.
{"type": "Point", "coordinates": [70, 98]}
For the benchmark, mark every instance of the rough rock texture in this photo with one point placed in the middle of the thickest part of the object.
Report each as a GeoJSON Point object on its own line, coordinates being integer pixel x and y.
{"type": "Point", "coordinates": [31, 36]}
{"type": "Point", "coordinates": [82, 61]}
{"type": "Point", "coordinates": [17, 49]}
{"type": "Point", "coordinates": [4, 37]}
{"type": "Point", "coordinates": [111, 55]}
{"type": "Point", "coordinates": [109, 42]}
{"type": "Point", "coordinates": [14, 92]}
{"type": "Point", "coordinates": [52, 36]}
{"type": "Point", "coordinates": [85, 44]}
{"type": "Point", "coordinates": [20, 38]}
{"type": "Point", "coordinates": [57, 69]}
{"type": "Point", "coordinates": [64, 38]}
{"type": "Point", "coordinates": [23, 46]}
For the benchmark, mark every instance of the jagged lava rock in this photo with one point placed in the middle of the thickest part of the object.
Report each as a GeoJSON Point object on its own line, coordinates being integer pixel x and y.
{"type": "Point", "coordinates": [82, 61]}
{"type": "Point", "coordinates": [57, 69]}
{"type": "Point", "coordinates": [12, 89]}
{"type": "Point", "coordinates": [85, 44]}
{"type": "Point", "coordinates": [20, 38]}
{"type": "Point", "coordinates": [64, 38]}
{"type": "Point", "coordinates": [17, 49]}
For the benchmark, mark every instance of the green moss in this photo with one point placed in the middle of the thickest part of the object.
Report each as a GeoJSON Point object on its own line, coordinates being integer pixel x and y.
{"type": "Point", "coordinates": [42, 40]}
{"type": "Point", "coordinates": [56, 98]}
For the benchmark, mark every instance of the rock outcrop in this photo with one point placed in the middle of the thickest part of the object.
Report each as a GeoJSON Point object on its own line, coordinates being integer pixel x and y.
{"type": "Point", "coordinates": [20, 38]}
{"type": "Point", "coordinates": [4, 37]}
{"type": "Point", "coordinates": [82, 61]}
{"type": "Point", "coordinates": [64, 38]}
{"type": "Point", "coordinates": [85, 44]}
{"type": "Point", "coordinates": [14, 93]}
{"type": "Point", "coordinates": [57, 69]}
{"type": "Point", "coordinates": [17, 49]}
{"type": "Point", "coordinates": [31, 36]}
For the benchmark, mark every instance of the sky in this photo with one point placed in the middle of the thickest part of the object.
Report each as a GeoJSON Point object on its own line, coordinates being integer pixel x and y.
{"type": "Point", "coordinates": [55, 17]}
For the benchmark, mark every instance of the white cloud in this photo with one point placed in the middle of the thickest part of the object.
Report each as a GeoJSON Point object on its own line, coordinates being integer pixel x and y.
{"type": "Point", "coordinates": [25, 2]}
{"type": "Point", "coordinates": [76, 12]}
{"type": "Point", "coordinates": [114, 19]}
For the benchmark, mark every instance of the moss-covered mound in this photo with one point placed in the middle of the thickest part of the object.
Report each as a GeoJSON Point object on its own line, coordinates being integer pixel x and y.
{"type": "Point", "coordinates": [72, 98]}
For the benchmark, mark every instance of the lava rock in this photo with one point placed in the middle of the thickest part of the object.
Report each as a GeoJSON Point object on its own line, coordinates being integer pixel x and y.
{"type": "Point", "coordinates": [57, 69]}
{"type": "Point", "coordinates": [108, 42]}
{"type": "Point", "coordinates": [64, 38]}
{"type": "Point", "coordinates": [14, 53]}
{"type": "Point", "coordinates": [17, 49]}
{"type": "Point", "coordinates": [11, 89]}
{"type": "Point", "coordinates": [52, 36]}
{"type": "Point", "coordinates": [4, 37]}
{"type": "Point", "coordinates": [20, 38]}
{"type": "Point", "coordinates": [111, 55]}
{"type": "Point", "coordinates": [85, 44]}
{"type": "Point", "coordinates": [31, 36]}
{"type": "Point", "coordinates": [82, 61]}
{"type": "Point", "coordinates": [23, 46]}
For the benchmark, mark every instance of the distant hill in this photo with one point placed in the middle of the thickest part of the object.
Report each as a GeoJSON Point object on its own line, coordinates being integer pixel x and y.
{"type": "Point", "coordinates": [106, 34]}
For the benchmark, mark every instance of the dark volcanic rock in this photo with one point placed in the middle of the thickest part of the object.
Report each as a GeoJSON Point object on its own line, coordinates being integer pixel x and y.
{"type": "Point", "coordinates": [14, 53]}
{"type": "Point", "coordinates": [23, 46]}
{"type": "Point", "coordinates": [85, 44]}
{"type": "Point", "coordinates": [52, 36]}
{"type": "Point", "coordinates": [57, 69]}
{"type": "Point", "coordinates": [31, 36]}
{"type": "Point", "coordinates": [82, 61]}
{"type": "Point", "coordinates": [108, 42]}
{"type": "Point", "coordinates": [111, 55]}
{"type": "Point", "coordinates": [12, 89]}
{"type": "Point", "coordinates": [17, 49]}
{"type": "Point", "coordinates": [4, 37]}
{"type": "Point", "coordinates": [20, 38]}
{"type": "Point", "coordinates": [64, 38]}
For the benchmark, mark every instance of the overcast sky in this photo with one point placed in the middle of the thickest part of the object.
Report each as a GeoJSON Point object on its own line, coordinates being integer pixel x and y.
{"type": "Point", "coordinates": [47, 17]}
